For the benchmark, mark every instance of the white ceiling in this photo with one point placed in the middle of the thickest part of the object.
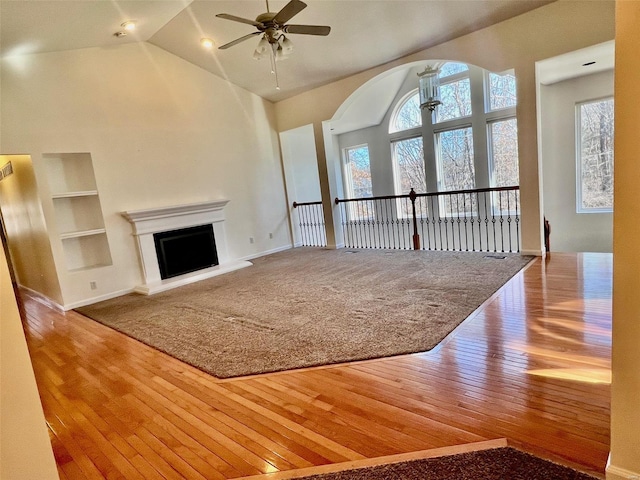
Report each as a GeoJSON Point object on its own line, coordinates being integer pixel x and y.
{"type": "Point", "coordinates": [585, 61]}
{"type": "Point", "coordinates": [364, 33]}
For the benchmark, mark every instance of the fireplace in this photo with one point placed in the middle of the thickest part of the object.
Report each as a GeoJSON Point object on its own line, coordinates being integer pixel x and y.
{"type": "Point", "coordinates": [186, 250]}
{"type": "Point", "coordinates": [191, 236]}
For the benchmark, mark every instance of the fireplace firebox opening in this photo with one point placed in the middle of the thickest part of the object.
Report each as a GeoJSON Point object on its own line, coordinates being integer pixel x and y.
{"type": "Point", "coordinates": [185, 250]}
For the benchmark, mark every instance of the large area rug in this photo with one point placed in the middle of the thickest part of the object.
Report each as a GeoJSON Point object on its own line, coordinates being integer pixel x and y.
{"type": "Point", "coordinates": [494, 464]}
{"type": "Point", "coordinates": [310, 306]}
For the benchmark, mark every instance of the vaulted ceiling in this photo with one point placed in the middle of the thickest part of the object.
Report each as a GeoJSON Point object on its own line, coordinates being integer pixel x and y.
{"type": "Point", "coordinates": [364, 33]}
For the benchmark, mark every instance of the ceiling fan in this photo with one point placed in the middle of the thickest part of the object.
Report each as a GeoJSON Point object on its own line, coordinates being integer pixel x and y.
{"type": "Point", "coordinates": [273, 26]}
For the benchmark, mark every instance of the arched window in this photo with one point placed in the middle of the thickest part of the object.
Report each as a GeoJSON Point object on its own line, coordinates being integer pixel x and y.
{"type": "Point", "coordinates": [407, 114]}
{"type": "Point", "coordinates": [472, 135]}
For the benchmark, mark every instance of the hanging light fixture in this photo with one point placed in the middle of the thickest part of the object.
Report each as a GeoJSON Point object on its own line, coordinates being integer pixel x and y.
{"type": "Point", "coordinates": [279, 47]}
{"type": "Point", "coordinates": [263, 48]}
{"type": "Point", "coordinates": [429, 87]}
{"type": "Point", "coordinates": [275, 47]}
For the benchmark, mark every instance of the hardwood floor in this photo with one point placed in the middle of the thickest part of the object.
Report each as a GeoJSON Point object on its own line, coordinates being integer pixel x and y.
{"type": "Point", "coordinates": [532, 366]}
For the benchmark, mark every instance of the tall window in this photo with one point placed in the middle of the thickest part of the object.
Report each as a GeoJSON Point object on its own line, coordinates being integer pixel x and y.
{"type": "Point", "coordinates": [409, 162]}
{"type": "Point", "coordinates": [595, 156]}
{"type": "Point", "coordinates": [358, 172]}
{"type": "Point", "coordinates": [503, 158]}
{"type": "Point", "coordinates": [472, 134]}
{"type": "Point", "coordinates": [455, 159]}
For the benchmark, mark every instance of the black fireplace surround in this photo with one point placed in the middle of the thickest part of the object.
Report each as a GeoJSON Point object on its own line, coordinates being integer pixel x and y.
{"type": "Point", "coordinates": [185, 250]}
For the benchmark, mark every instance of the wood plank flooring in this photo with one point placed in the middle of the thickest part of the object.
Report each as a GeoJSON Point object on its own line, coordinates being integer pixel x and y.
{"type": "Point", "coordinates": [532, 366]}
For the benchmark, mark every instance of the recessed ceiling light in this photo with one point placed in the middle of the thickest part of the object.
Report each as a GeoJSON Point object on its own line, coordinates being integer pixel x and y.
{"type": "Point", "coordinates": [206, 42]}
{"type": "Point", "coordinates": [587, 64]}
{"type": "Point", "coordinates": [129, 25]}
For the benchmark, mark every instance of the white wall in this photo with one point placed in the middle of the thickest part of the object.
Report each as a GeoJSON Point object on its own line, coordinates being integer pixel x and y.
{"type": "Point", "coordinates": [559, 27]}
{"type": "Point", "coordinates": [570, 231]}
{"type": "Point", "coordinates": [161, 132]}
{"type": "Point", "coordinates": [300, 164]}
{"type": "Point", "coordinates": [377, 139]}
{"type": "Point", "coordinates": [25, 449]}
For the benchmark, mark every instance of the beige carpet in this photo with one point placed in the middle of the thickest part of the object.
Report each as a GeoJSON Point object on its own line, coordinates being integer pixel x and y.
{"type": "Point", "coordinates": [312, 306]}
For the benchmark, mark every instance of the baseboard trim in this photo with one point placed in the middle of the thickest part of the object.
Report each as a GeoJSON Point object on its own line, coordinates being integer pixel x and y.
{"type": "Point", "coordinates": [619, 473]}
{"type": "Point", "coordinates": [535, 253]}
{"type": "Point", "coordinates": [99, 298]}
{"type": "Point", "coordinates": [267, 252]}
{"type": "Point", "coordinates": [41, 298]}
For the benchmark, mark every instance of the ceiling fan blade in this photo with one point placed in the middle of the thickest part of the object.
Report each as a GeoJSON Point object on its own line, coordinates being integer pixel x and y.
{"type": "Point", "coordinates": [226, 16]}
{"type": "Point", "coordinates": [289, 11]}
{"type": "Point", "coordinates": [307, 29]}
{"type": "Point", "coordinates": [238, 40]}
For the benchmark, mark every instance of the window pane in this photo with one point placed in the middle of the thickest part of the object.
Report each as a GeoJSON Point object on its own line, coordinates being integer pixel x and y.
{"type": "Point", "coordinates": [503, 136]}
{"type": "Point", "coordinates": [596, 155]}
{"type": "Point", "coordinates": [455, 159]}
{"type": "Point", "coordinates": [504, 153]}
{"type": "Point", "coordinates": [408, 115]}
{"type": "Point", "coordinates": [456, 100]}
{"type": "Point", "coordinates": [502, 90]}
{"type": "Point", "coordinates": [358, 171]}
{"type": "Point", "coordinates": [451, 68]}
{"type": "Point", "coordinates": [409, 165]}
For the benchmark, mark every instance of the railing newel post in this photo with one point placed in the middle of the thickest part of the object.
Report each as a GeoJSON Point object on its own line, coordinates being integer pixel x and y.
{"type": "Point", "coordinates": [416, 238]}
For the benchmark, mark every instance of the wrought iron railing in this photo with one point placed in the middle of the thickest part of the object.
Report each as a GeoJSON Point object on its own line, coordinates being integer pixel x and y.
{"type": "Point", "coordinates": [311, 225]}
{"type": "Point", "coordinates": [484, 220]}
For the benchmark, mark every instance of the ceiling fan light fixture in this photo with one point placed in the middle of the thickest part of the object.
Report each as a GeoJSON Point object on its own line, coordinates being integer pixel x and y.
{"type": "Point", "coordinates": [286, 46]}
{"type": "Point", "coordinates": [262, 50]}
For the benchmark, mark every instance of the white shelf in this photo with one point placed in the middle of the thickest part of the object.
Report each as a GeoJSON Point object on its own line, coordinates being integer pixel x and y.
{"type": "Point", "coordinates": [82, 233]}
{"type": "Point", "coordinates": [77, 209]}
{"type": "Point", "coordinates": [88, 267]}
{"type": "Point", "coordinates": [82, 193]}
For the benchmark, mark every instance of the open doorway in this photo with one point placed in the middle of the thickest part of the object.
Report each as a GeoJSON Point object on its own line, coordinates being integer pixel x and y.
{"type": "Point", "coordinates": [575, 98]}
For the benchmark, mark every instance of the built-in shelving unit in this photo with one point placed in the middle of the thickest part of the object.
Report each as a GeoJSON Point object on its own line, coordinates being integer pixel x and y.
{"type": "Point", "coordinates": [78, 214]}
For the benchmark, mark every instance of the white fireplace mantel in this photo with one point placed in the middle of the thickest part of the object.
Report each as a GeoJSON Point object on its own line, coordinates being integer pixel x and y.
{"type": "Point", "coordinates": [146, 222]}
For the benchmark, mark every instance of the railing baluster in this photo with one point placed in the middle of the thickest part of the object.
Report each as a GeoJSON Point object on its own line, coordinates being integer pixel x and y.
{"type": "Point", "coordinates": [371, 226]}
{"type": "Point", "coordinates": [509, 218]}
{"type": "Point", "coordinates": [458, 222]}
{"type": "Point", "coordinates": [501, 219]}
{"type": "Point", "coordinates": [517, 202]}
{"type": "Point", "coordinates": [433, 223]}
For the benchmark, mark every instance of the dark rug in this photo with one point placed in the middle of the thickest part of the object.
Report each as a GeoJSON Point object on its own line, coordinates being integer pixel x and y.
{"type": "Point", "coordinates": [494, 464]}
{"type": "Point", "coordinates": [310, 306]}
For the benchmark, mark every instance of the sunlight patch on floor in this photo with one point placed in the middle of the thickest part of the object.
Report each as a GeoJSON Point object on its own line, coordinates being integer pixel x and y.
{"type": "Point", "coordinates": [585, 375]}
